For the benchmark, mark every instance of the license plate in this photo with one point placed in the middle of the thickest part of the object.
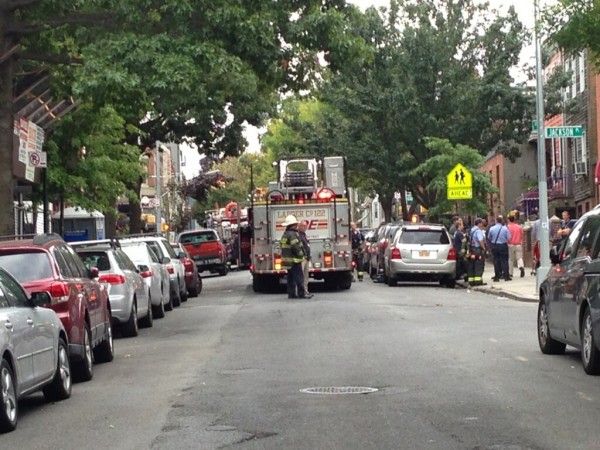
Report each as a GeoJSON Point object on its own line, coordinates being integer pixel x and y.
{"type": "Point", "coordinates": [424, 253]}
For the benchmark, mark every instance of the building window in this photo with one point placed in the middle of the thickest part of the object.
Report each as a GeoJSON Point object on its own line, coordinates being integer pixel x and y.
{"type": "Point", "coordinates": [582, 73]}
{"type": "Point", "coordinates": [580, 156]}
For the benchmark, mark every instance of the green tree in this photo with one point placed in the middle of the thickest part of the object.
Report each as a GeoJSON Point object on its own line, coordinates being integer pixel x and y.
{"type": "Point", "coordinates": [444, 157]}
{"type": "Point", "coordinates": [173, 69]}
{"type": "Point", "coordinates": [427, 69]}
{"type": "Point", "coordinates": [575, 25]}
{"type": "Point", "coordinates": [235, 185]}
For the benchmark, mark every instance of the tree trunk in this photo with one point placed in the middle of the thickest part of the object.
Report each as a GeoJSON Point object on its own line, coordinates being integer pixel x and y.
{"type": "Point", "coordinates": [110, 223]}
{"type": "Point", "coordinates": [7, 218]}
{"type": "Point", "coordinates": [386, 204]}
{"type": "Point", "coordinates": [135, 211]}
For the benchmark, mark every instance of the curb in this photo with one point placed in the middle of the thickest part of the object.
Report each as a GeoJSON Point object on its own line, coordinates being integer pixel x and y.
{"type": "Point", "coordinates": [501, 292]}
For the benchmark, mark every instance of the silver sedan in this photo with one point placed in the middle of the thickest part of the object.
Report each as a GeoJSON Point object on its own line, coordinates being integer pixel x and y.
{"type": "Point", "coordinates": [154, 273]}
{"type": "Point", "coordinates": [128, 294]}
{"type": "Point", "coordinates": [34, 350]}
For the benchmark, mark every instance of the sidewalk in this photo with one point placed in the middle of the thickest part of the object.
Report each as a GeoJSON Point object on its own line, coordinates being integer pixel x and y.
{"type": "Point", "coordinates": [518, 288]}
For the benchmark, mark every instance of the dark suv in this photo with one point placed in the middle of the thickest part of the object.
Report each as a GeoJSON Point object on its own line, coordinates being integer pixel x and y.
{"type": "Point", "coordinates": [569, 308]}
{"type": "Point", "coordinates": [47, 263]}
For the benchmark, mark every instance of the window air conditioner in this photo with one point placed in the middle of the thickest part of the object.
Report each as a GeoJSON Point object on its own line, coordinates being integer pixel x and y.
{"type": "Point", "coordinates": [580, 168]}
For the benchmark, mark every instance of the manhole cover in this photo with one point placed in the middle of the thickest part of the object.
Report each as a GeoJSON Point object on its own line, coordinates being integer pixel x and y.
{"type": "Point", "coordinates": [333, 390]}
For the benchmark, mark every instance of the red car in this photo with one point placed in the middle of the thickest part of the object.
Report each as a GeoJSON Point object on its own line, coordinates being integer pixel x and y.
{"type": "Point", "coordinates": [47, 263]}
{"type": "Point", "coordinates": [206, 249]}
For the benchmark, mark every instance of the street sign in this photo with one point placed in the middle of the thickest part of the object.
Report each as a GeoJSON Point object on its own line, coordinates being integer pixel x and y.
{"type": "Point", "coordinates": [460, 183]}
{"type": "Point", "coordinates": [38, 159]}
{"type": "Point", "coordinates": [575, 131]}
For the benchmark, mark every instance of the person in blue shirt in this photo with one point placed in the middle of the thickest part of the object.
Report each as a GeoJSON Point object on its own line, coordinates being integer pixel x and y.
{"type": "Point", "coordinates": [498, 237]}
{"type": "Point", "coordinates": [476, 259]}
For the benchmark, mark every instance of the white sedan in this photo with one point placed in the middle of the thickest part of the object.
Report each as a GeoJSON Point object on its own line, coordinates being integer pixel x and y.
{"type": "Point", "coordinates": [33, 344]}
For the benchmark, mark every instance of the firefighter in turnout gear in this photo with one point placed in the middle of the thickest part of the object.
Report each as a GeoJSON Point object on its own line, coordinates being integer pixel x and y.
{"type": "Point", "coordinates": [477, 248]}
{"type": "Point", "coordinates": [292, 255]}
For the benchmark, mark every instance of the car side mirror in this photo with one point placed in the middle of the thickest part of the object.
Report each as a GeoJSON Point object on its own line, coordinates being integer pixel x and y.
{"type": "Point", "coordinates": [40, 298]}
{"type": "Point", "coordinates": [554, 256]}
{"type": "Point", "coordinates": [142, 268]}
{"type": "Point", "coordinates": [166, 260]}
{"type": "Point", "coordinates": [93, 272]}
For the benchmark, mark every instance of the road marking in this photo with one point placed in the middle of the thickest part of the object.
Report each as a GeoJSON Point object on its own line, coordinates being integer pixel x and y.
{"type": "Point", "coordinates": [493, 340]}
{"type": "Point", "coordinates": [471, 419]}
{"type": "Point", "coordinates": [522, 358]}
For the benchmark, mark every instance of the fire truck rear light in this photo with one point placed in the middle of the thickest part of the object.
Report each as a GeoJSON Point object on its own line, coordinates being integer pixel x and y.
{"type": "Point", "coordinates": [327, 259]}
{"type": "Point", "coordinates": [59, 293]}
{"type": "Point", "coordinates": [277, 262]}
{"type": "Point", "coordinates": [112, 278]}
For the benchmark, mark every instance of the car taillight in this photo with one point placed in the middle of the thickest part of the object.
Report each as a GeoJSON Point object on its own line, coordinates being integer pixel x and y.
{"type": "Point", "coordinates": [171, 269]}
{"type": "Point", "coordinates": [112, 278]}
{"type": "Point", "coordinates": [277, 261]}
{"type": "Point", "coordinates": [146, 274]}
{"type": "Point", "coordinates": [327, 259]}
{"type": "Point", "coordinates": [396, 253]}
{"type": "Point", "coordinates": [59, 293]}
{"type": "Point", "coordinates": [452, 254]}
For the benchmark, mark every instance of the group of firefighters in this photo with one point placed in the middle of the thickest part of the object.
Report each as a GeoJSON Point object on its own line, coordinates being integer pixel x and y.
{"type": "Point", "coordinates": [503, 240]}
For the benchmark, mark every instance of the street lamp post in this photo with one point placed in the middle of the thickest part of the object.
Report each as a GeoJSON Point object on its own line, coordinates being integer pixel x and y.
{"type": "Point", "coordinates": [543, 231]}
{"type": "Point", "coordinates": [158, 193]}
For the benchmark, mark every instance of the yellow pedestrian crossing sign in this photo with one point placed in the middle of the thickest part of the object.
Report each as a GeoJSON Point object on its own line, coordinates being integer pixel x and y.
{"type": "Point", "coordinates": [460, 183]}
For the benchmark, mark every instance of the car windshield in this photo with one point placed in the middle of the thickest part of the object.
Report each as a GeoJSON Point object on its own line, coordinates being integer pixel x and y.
{"type": "Point", "coordinates": [198, 238]}
{"type": "Point", "coordinates": [29, 266]}
{"type": "Point", "coordinates": [424, 237]}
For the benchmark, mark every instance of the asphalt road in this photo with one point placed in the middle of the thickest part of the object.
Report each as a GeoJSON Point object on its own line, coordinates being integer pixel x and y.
{"type": "Point", "coordinates": [453, 369]}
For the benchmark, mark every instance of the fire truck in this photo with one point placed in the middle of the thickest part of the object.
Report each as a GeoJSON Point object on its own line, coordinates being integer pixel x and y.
{"type": "Point", "coordinates": [315, 191]}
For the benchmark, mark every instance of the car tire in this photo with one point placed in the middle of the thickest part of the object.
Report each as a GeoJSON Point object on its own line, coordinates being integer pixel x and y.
{"type": "Point", "coordinates": [176, 299]}
{"type": "Point", "coordinates": [345, 281]}
{"type": "Point", "coordinates": [148, 321]}
{"type": "Point", "coordinates": [183, 295]}
{"type": "Point", "coordinates": [169, 305]}
{"type": "Point", "coordinates": [158, 312]}
{"type": "Point", "coordinates": [257, 284]}
{"type": "Point", "coordinates": [590, 355]}
{"type": "Point", "coordinates": [60, 387]}
{"type": "Point", "coordinates": [105, 351]}
{"type": "Point", "coordinates": [85, 367]}
{"type": "Point", "coordinates": [449, 282]}
{"type": "Point", "coordinates": [391, 280]}
{"type": "Point", "coordinates": [130, 328]}
{"type": "Point", "coordinates": [223, 270]}
{"type": "Point", "coordinates": [548, 346]}
{"type": "Point", "coordinates": [9, 409]}
{"type": "Point", "coordinates": [193, 292]}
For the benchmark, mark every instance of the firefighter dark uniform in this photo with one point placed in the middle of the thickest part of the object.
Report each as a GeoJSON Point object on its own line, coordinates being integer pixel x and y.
{"type": "Point", "coordinates": [292, 255]}
{"type": "Point", "coordinates": [476, 262]}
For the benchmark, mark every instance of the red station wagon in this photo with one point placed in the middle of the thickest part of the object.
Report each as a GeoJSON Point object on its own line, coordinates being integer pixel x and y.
{"type": "Point", "coordinates": [47, 263]}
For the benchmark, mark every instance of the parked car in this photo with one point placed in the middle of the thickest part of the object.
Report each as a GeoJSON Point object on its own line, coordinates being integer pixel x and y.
{"type": "Point", "coordinates": [154, 273]}
{"type": "Point", "coordinates": [167, 256]}
{"type": "Point", "coordinates": [193, 281]}
{"type": "Point", "coordinates": [47, 263]}
{"type": "Point", "coordinates": [569, 307]}
{"type": "Point", "coordinates": [128, 294]}
{"type": "Point", "coordinates": [34, 350]}
{"type": "Point", "coordinates": [420, 253]}
{"type": "Point", "coordinates": [385, 233]}
{"type": "Point", "coordinates": [206, 249]}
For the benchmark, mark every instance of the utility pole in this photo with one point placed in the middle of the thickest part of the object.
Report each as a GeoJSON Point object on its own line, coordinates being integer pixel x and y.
{"type": "Point", "coordinates": [543, 231]}
{"type": "Point", "coordinates": [158, 190]}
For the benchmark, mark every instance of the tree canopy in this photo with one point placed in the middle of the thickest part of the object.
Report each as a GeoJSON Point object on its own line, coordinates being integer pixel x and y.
{"type": "Point", "coordinates": [428, 69]}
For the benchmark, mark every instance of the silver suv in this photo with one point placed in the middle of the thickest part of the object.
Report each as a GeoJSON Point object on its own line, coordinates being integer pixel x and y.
{"type": "Point", "coordinates": [421, 252]}
{"type": "Point", "coordinates": [168, 257]}
{"type": "Point", "coordinates": [128, 294]}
